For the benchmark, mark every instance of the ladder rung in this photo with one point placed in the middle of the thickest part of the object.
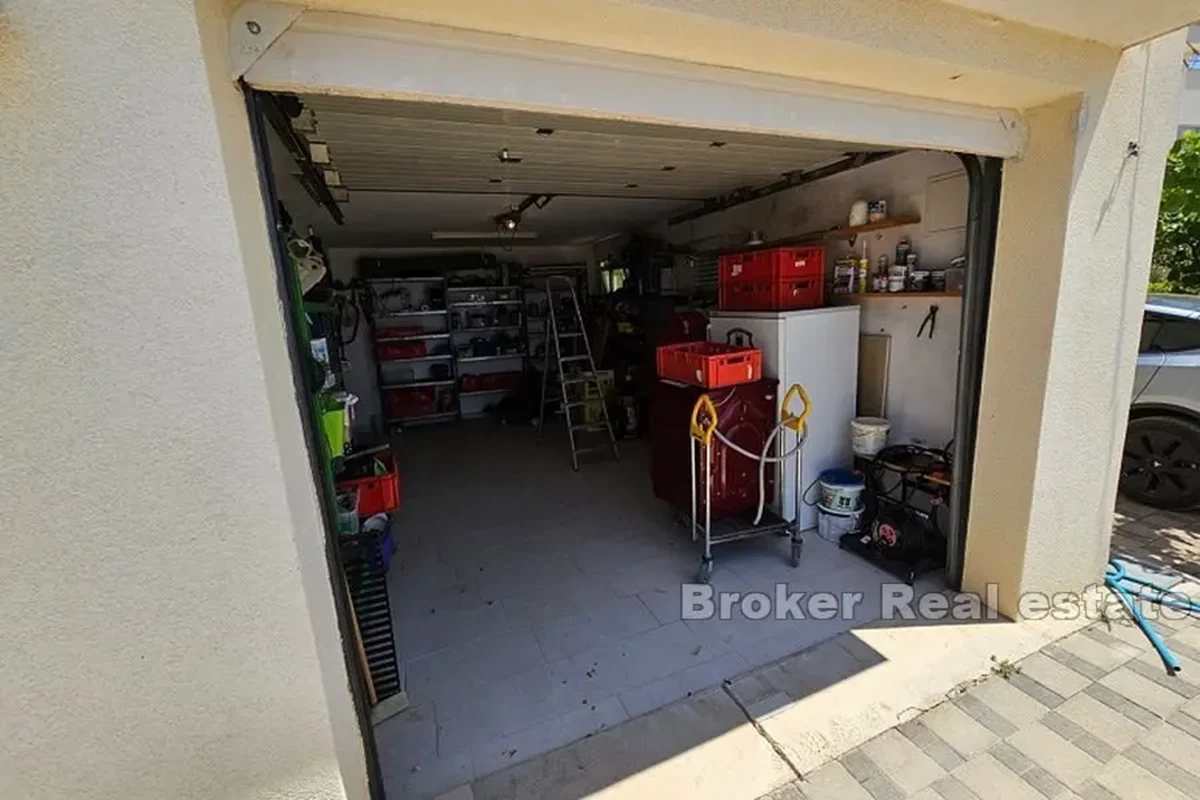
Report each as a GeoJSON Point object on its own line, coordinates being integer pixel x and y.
{"type": "Point", "coordinates": [579, 403]}
{"type": "Point", "coordinates": [590, 426]}
{"type": "Point", "coordinates": [575, 335]}
{"type": "Point", "coordinates": [574, 358]}
{"type": "Point", "coordinates": [581, 379]}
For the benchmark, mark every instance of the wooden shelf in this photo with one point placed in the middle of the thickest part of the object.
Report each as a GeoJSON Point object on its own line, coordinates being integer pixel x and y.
{"type": "Point", "coordinates": [816, 237]}
{"type": "Point", "coordinates": [846, 233]}
{"type": "Point", "coordinates": [858, 297]}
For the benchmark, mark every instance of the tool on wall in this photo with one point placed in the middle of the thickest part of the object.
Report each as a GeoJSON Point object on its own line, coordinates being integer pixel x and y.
{"type": "Point", "coordinates": [576, 372]}
{"type": "Point", "coordinates": [930, 320]}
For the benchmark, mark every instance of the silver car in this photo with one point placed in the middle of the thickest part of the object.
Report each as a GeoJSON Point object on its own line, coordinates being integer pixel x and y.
{"type": "Point", "coordinates": [1161, 464]}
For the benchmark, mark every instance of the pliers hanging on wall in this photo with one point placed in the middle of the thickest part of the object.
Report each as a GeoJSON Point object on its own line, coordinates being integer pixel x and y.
{"type": "Point", "coordinates": [930, 320]}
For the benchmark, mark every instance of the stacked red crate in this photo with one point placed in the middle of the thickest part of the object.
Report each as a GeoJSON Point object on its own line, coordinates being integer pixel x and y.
{"type": "Point", "coordinates": [779, 279]}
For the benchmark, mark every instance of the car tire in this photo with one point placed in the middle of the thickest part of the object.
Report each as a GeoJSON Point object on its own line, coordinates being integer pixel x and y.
{"type": "Point", "coordinates": [1160, 465]}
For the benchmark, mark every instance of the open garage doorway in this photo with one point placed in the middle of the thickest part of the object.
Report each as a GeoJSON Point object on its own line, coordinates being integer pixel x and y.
{"type": "Point", "coordinates": [487, 291]}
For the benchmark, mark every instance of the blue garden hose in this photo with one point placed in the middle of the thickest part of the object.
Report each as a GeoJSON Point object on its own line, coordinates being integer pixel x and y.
{"type": "Point", "coordinates": [1126, 587]}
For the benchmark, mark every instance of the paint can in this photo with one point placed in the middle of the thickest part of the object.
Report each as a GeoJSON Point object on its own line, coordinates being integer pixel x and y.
{"type": "Point", "coordinates": [841, 490]}
{"type": "Point", "coordinates": [868, 435]}
{"type": "Point", "coordinates": [833, 525]}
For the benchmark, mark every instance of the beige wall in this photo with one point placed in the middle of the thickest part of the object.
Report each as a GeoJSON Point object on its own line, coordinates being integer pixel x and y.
{"type": "Point", "coordinates": [1076, 230]}
{"type": "Point", "coordinates": [167, 622]}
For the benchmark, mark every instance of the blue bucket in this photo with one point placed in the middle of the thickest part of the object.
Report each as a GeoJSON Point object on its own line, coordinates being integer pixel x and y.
{"type": "Point", "coordinates": [841, 490]}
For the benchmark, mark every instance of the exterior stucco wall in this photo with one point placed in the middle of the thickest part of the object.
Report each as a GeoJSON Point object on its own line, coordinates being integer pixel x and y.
{"type": "Point", "coordinates": [1072, 259]}
{"type": "Point", "coordinates": [164, 633]}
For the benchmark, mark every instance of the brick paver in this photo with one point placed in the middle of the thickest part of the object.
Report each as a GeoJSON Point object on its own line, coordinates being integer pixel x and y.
{"type": "Point", "coordinates": [1163, 539]}
{"type": "Point", "coordinates": [1093, 716]}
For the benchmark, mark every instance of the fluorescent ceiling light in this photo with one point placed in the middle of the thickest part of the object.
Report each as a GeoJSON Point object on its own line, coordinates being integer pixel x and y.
{"type": "Point", "coordinates": [438, 235]}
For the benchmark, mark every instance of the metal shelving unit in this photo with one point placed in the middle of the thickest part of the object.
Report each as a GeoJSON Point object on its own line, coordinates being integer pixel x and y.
{"type": "Point", "coordinates": [482, 303]}
{"type": "Point", "coordinates": [417, 359]}
{"type": "Point", "coordinates": [433, 312]}
{"type": "Point", "coordinates": [499, 357]}
{"type": "Point", "coordinates": [418, 384]}
{"type": "Point", "coordinates": [482, 298]}
{"type": "Point", "coordinates": [429, 358]}
{"type": "Point", "coordinates": [484, 392]}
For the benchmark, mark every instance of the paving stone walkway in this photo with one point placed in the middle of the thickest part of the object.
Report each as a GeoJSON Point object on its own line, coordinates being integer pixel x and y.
{"type": "Point", "coordinates": [1094, 716]}
{"type": "Point", "coordinates": [1167, 540]}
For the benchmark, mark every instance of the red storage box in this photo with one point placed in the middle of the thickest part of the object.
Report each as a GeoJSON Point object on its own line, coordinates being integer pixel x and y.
{"type": "Point", "coordinates": [709, 364]}
{"type": "Point", "coordinates": [391, 351]}
{"type": "Point", "coordinates": [377, 494]}
{"type": "Point", "coordinates": [383, 334]}
{"type": "Point", "coordinates": [772, 265]}
{"type": "Point", "coordinates": [780, 279]}
{"type": "Point", "coordinates": [411, 402]}
{"type": "Point", "coordinates": [500, 381]}
{"type": "Point", "coordinates": [786, 295]}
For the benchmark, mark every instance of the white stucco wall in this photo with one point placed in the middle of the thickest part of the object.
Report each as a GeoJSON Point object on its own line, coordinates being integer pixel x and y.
{"type": "Point", "coordinates": [166, 608]}
{"type": "Point", "coordinates": [1076, 230]}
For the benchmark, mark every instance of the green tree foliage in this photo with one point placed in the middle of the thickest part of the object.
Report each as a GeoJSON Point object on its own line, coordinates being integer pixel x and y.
{"type": "Point", "coordinates": [1175, 266]}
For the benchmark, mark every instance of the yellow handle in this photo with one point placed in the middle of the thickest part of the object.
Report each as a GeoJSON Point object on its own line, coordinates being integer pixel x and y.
{"type": "Point", "coordinates": [704, 431]}
{"type": "Point", "coordinates": [790, 420]}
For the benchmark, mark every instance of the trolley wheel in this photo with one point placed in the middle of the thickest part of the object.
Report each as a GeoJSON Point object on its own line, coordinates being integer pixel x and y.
{"type": "Point", "coordinates": [704, 574]}
{"type": "Point", "coordinates": [797, 549]}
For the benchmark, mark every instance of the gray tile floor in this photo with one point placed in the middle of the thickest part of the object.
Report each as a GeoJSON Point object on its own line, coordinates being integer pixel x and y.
{"type": "Point", "coordinates": [534, 605]}
{"type": "Point", "coordinates": [1094, 716]}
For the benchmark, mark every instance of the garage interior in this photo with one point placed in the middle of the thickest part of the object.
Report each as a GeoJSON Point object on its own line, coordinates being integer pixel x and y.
{"type": "Point", "coordinates": [508, 603]}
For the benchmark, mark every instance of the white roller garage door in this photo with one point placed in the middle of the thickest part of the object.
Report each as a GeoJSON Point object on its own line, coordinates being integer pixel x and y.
{"type": "Point", "coordinates": [283, 48]}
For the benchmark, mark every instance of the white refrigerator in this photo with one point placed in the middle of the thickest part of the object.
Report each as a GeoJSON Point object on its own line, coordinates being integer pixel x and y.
{"type": "Point", "coordinates": [817, 349]}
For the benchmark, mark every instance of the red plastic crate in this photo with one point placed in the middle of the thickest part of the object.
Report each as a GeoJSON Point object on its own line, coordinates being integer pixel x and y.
{"type": "Point", "coordinates": [787, 295]}
{"type": "Point", "coordinates": [389, 351]}
{"type": "Point", "coordinates": [377, 494]}
{"type": "Point", "coordinates": [774, 265]}
{"type": "Point", "coordinates": [709, 364]}
{"type": "Point", "coordinates": [781, 279]}
{"type": "Point", "coordinates": [411, 402]}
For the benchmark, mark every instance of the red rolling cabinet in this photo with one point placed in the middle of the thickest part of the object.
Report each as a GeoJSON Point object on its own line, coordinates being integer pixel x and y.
{"type": "Point", "coordinates": [745, 414]}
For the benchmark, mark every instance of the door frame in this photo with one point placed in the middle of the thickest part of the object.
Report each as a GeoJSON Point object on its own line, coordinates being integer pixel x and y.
{"type": "Point", "coordinates": [288, 285]}
{"type": "Point", "coordinates": [407, 61]}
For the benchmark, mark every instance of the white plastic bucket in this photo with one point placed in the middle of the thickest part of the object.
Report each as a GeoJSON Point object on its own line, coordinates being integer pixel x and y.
{"type": "Point", "coordinates": [868, 435]}
{"type": "Point", "coordinates": [832, 526]}
{"type": "Point", "coordinates": [841, 490]}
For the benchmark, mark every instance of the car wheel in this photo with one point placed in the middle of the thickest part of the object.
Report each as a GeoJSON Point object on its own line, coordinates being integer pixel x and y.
{"type": "Point", "coordinates": [1161, 463]}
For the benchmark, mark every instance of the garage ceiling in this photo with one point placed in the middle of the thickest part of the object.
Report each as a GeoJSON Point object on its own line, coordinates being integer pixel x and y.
{"type": "Point", "coordinates": [402, 162]}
